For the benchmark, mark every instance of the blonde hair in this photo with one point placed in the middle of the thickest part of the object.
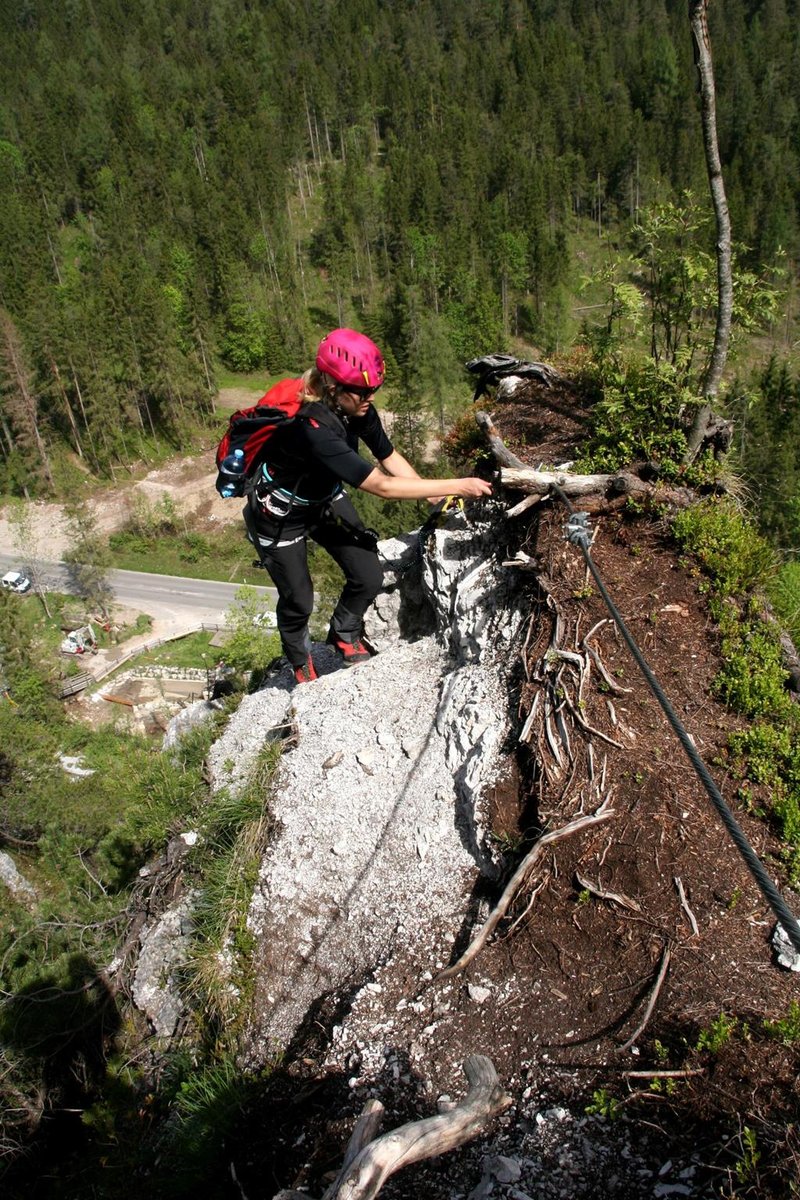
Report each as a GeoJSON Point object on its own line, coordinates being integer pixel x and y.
{"type": "Point", "coordinates": [317, 387]}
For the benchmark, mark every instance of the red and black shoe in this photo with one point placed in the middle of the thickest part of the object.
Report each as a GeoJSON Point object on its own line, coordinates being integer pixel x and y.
{"type": "Point", "coordinates": [351, 652]}
{"type": "Point", "coordinates": [306, 672]}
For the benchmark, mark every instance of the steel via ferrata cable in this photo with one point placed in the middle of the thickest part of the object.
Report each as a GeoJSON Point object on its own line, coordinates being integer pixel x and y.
{"type": "Point", "coordinates": [578, 534]}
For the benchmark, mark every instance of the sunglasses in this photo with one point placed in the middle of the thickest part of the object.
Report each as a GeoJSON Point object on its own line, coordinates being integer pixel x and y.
{"type": "Point", "coordinates": [362, 393]}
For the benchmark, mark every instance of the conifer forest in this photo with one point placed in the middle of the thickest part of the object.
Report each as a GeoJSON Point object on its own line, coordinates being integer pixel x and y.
{"type": "Point", "coordinates": [187, 187]}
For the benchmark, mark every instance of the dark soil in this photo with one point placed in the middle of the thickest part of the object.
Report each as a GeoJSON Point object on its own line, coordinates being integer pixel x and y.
{"type": "Point", "coordinates": [569, 978]}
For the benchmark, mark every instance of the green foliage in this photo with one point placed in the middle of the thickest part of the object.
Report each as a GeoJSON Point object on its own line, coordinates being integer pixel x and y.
{"type": "Point", "coordinates": [639, 413]}
{"type": "Point", "coordinates": [673, 245]}
{"type": "Point", "coordinates": [87, 556]}
{"type": "Point", "coordinates": [786, 1030]}
{"type": "Point", "coordinates": [718, 1033]}
{"type": "Point", "coordinates": [784, 592]}
{"type": "Point", "coordinates": [604, 1105]}
{"type": "Point", "coordinates": [244, 345]}
{"type": "Point", "coordinates": [665, 293]}
{"type": "Point", "coordinates": [235, 833]}
{"type": "Point", "coordinates": [769, 754]}
{"type": "Point", "coordinates": [85, 842]}
{"type": "Point", "coordinates": [252, 646]}
{"type": "Point", "coordinates": [752, 679]}
{"type": "Point", "coordinates": [766, 414]}
{"type": "Point", "coordinates": [144, 231]}
{"type": "Point", "coordinates": [727, 546]}
{"type": "Point", "coordinates": [158, 539]}
{"type": "Point", "coordinates": [749, 1157]}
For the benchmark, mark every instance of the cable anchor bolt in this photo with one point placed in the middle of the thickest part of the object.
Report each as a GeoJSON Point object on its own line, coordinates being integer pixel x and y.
{"type": "Point", "coordinates": [577, 529]}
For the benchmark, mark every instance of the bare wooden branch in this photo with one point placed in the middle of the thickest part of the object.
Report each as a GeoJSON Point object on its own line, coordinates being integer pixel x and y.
{"type": "Point", "coordinates": [604, 813]}
{"type": "Point", "coordinates": [523, 506]}
{"type": "Point", "coordinates": [615, 897]}
{"type": "Point", "coordinates": [499, 449]}
{"type": "Point", "coordinates": [651, 1003]}
{"type": "Point", "coordinates": [685, 905]}
{"type": "Point", "coordinates": [429, 1137]}
{"type": "Point", "coordinates": [590, 729]}
{"type": "Point", "coordinates": [594, 655]}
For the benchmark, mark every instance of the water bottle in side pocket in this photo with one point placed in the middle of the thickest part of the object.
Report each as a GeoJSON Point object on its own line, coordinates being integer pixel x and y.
{"type": "Point", "coordinates": [230, 480]}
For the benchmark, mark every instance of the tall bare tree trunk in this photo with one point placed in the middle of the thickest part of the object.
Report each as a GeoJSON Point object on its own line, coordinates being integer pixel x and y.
{"type": "Point", "coordinates": [21, 402]}
{"type": "Point", "coordinates": [707, 426]}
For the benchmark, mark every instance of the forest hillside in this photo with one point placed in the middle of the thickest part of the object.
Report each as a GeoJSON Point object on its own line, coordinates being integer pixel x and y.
{"type": "Point", "coordinates": [189, 188]}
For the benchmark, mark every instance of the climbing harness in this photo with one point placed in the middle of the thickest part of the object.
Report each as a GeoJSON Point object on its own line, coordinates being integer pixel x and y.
{"type": "Point", "coordinates": [577, 532]}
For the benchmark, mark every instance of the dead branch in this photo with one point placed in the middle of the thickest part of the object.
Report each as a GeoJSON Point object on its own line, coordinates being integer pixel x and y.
{"type": "Point", "coordinates": [523, 506]}
{"type": "Point", "coordinates": [651, 1003]}
{"type": "Point", "coordinates": [614, 897]}
{"type": "Point", "coordinates": [594, 655]}
{"type": "Point", "coordinates": [515, 883]}
{"type": "Point", "coordinates": [498, 447]}
{"type": "Point", "coordinates": [590, 729]}
{"type": "Point", "coordinates": [685, 905]}
{"type": "Point", "coordinates": [427, 1138]}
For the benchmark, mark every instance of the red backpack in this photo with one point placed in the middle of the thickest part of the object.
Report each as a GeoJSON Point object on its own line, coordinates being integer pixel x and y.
{"type": "Point", "coordinates": [250, 429]}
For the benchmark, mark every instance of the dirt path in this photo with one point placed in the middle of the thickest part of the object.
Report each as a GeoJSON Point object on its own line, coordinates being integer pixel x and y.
{"type": "Point", "coordinates": [188, 481]}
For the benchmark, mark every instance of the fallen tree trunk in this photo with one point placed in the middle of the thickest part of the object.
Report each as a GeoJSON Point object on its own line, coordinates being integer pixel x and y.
{"type": "Point", "coordinates": [364, 1176]}
{"type": "Point", "coordinates": [612, 487]}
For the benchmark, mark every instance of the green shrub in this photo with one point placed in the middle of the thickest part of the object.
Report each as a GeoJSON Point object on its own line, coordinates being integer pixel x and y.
{"type": "Point", "coordinates": [752, 679]}
{"type": "Point", "coordinates": [730, 550]}
{"type": "Point", "coordinates": [718, 1033]}
{"type": "Point", "coordinates": [639, 414]}
{"type": "Point", "coordinates": [786, 1030]}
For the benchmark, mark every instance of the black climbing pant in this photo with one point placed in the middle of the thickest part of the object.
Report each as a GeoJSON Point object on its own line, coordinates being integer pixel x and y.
{"type": "Point", "coordinates": [283, 551]}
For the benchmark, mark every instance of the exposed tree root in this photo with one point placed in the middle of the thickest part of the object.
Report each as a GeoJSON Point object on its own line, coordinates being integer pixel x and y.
{"type": "Point", "coordinates": [651, 1003]}
{"type": "Point", "coordinates": [519, 877]}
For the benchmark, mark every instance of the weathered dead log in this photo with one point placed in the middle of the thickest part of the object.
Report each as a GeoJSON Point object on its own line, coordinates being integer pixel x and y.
{"type": "Point", "coordinates": [609, 487]}
{"type": "Point", "coordinates": [365, 1130]}
{"type": "Point", "coordinates": [364, 1176]}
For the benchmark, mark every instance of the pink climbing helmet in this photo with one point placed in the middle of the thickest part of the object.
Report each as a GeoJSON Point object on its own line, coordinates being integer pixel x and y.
{"type": "Point", "coordinates": [352, 359]}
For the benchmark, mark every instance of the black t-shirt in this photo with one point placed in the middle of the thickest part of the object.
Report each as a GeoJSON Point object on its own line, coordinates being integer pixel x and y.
{"type": "Point", "coordinates": [317, 452]}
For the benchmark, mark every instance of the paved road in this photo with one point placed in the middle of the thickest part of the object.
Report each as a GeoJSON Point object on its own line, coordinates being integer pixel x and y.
{"type": "Point", "coordinates": [165, 597]}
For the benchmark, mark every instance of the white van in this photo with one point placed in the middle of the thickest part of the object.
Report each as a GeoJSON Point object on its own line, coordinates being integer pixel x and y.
{"type": "Point", "coordinates": [13, 581]}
